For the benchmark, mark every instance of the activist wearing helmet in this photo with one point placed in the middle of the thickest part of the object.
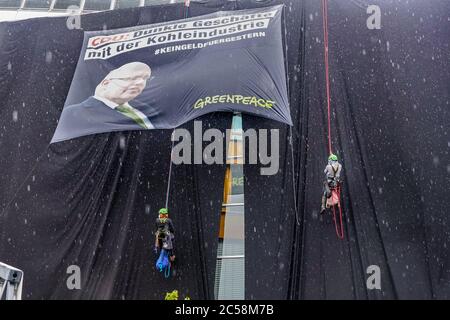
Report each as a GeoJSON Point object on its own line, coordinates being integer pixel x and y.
{"type": "Point", "coordinates": [332, 174]}
{"type": "Point", "coordinates": [165, 233]}
{"type": "Point", "coordinates": [333, 157]}
{"type": "Point", "coordinates": [163, 213]}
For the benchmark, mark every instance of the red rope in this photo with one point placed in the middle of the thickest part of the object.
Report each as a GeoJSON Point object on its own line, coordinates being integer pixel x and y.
{"type": "Point", "coordinates": [341, 233]}
{"type": "Point", "coordinates": [327, 68]}
{"type": "Point", "coordinates": [327, 81]}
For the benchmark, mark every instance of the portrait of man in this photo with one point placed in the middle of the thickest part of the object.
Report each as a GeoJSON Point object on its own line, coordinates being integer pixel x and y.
{"type": "Point", "coordinates": [109, 109]}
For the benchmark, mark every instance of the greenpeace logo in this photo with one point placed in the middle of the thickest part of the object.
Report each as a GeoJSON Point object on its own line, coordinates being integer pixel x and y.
{"type": "Point", "coordinates": [234, 99]}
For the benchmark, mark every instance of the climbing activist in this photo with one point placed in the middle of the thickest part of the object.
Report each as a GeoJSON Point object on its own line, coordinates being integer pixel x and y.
{"type": "Point", "coordinates": [165, 233]}
{"type": "Point", "coordinates": [333, 173]}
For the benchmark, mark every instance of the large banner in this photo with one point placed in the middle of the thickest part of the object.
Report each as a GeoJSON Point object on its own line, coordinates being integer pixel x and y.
{"type": "Point", "coordinates": [162, 75]}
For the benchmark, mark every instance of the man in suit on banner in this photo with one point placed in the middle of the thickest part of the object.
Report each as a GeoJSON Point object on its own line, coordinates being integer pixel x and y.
{"type": "Point", "coordinates": [109, 109]}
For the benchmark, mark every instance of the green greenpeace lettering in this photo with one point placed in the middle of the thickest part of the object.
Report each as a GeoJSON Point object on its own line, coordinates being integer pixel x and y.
{"type": "Point", "coordinates": [234, 99]}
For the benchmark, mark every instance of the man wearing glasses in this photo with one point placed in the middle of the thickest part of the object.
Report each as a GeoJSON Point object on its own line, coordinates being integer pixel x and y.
{"type": "Point", "coordinates": [109, 109]}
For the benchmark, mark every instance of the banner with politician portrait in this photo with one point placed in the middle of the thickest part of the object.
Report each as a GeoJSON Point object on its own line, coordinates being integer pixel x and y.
{"type": "Point", "coordinates": [162, 75]}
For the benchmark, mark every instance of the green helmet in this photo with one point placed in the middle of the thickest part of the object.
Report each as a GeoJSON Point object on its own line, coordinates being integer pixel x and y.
{"type": "Point", "coordinates": [333, 157]}
{"type": "Point", "coordinates": [163, 211]}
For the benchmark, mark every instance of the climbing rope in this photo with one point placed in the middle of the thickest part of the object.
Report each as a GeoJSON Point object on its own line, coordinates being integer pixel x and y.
{"type": "Point", "coordinates": [186, 8]}
{"type": "Point", "coordinates": [169, 178]}
{"type": "Point", "coordinates": [327, 81]}
{"type": "Point", "coordinates": [185, 14]}
{"type": "Point", "coordinates": [327, 68]}
{"type": "Point", "coordinates": [341, 233]}
{"type": "Point", "coordinates": [170, 171]}
{"type": "Point", "coordinates": [24, 180]}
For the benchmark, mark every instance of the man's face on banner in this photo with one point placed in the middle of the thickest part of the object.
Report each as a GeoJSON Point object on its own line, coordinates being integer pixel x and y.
{"type": "Point", "coordinates": [126, 83]}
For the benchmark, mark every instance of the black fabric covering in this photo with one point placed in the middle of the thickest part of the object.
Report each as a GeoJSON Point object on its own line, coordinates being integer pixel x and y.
{"type": "Point", "coordinates": [390, 101]}
{"type": "Point", "coordinates": [91, 201]}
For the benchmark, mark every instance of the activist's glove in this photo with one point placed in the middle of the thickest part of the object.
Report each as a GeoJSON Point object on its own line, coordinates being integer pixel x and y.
{"type": "Point", "coordinates": [155, 250]}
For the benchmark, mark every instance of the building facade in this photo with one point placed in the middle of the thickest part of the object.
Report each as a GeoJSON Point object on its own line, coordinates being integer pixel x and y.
{"type": "Point", "coordinates": [11, 10]}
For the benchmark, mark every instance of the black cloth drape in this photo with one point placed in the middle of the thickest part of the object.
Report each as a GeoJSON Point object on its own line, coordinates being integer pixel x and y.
{"type": "Point", "coordinates": [91, 201]}
{"type": "Point", "coordinates": [390, 115]}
